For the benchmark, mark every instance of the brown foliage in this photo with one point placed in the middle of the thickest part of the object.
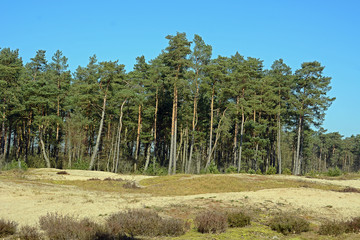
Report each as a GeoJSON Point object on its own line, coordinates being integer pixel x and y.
{"type": "Point", "coordinates": [211, 222]}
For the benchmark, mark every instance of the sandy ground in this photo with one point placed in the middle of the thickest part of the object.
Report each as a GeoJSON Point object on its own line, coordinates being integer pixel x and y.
{"type": "Point", "coordinates": [26, 201]}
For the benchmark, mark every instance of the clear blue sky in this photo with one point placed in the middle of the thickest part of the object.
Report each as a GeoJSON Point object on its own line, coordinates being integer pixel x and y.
{"type": "Point", "coordinates": [296, 30]}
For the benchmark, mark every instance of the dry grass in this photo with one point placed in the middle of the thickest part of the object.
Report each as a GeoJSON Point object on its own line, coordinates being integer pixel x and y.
{"type": "Point", "coordinates": [182, 185]}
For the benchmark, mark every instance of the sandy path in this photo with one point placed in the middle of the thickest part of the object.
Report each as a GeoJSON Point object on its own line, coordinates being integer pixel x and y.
{"type": "Point", "coordinates": [25, 202]}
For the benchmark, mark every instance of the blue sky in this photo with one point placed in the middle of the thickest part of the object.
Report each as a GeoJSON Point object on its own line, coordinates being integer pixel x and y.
{"type": "Point", "coordinates": [295, 30]}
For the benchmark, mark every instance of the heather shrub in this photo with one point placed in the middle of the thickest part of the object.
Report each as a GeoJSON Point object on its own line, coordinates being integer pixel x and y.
{"type": "Point", "coordinates": [30, 233]}
{"type": "Point", "coordinates": [211, 222]}
{"type": "Point", "coordinates": [334, 228]}
{"type": "Point", "coordinates": [238, 219]}
{"type": "Point", "coordinates": [173, 227]}
{"type": "Point", "coordinates": [140, 222]}
{"type": "Point", "coordinates": [7, 228]}
{"type": "Point", "coordinates": [289, 224]}
{"type": "Point", "coordinates": [59, 227]}
{"type": "Point", "coordinates": [353, 225]}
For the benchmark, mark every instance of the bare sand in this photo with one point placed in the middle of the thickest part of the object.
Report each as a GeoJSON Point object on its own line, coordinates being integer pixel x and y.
{"type": "Point", "coordinates": [25, 201]}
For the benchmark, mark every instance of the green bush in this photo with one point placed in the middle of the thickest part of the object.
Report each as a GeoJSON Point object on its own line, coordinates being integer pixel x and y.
{"type": "Point", "coordinates": [238, 219]}
{"type": "Point", "coordinates": [231, 169]}
{"type": "Point", "coordinates": [80, 164]}
{"type": "Point", "coordinates": [157, 171]}
{"type": "Point", "coordinates": [7, 228]}
{"type": "Point", "coordinates": [251, 171]}
{"type": "Point", "coordinates": [334, 172]}
{"type": "Point", "coordinates": [15, 165]}
{"type": "Point", "coordinates": [212, 169]}
{"type": "Point", "coordinates": [258, 171]}
{"type": "Point", "coordinates": [211, 222]}
{"type": "Point", "coordinates": [288, 224]}
{"type": "Point", "coordinates": [286, 171]}
{"type": "Point", "coordinates": [271, 171]}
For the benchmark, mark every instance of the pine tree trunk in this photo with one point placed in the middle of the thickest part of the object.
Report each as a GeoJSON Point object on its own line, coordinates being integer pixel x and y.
{"type": "Point", "coordinates": [279, 144]}
{"type": "Point", "coordinates": [194, 123]}
{"type": "Point", "coordinates": [241, 137]}
{"type": "Point", "coordinates": [211, 128]}
{"type": "Point", "coordinates": [296, 170]}
{"type": "Point", "coordinates": [235, 133]}
{"type": "Point", "coordinates": [47, 161]}
{"type": "Point", "coordinates": [94, 154]}
{"type": "Point", "coordinates": [117, 148]}
{"type": "Point", "coordinates": [172, 159]}
{"type": "Point", "coordinates": [137, 139]}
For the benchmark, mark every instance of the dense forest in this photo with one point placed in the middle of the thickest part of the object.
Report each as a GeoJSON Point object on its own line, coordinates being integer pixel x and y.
{"type": "Point", "coordinates": [183, 111]}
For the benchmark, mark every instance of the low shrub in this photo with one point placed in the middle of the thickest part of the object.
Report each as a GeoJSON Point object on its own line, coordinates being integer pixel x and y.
{"type": "Point", "coordinates": [334, 228]}
{"type": "Point", "coordinates": [7, 228]}
{"type": "Point", "coordinates": [211, 222]}
{"type": "Point", "coordinates": [231, 169]}
{"type": "Point", "coordinates": [140, 222]}
{"type": "Point", "coordinates": [155, 171]}
{"type": "Point", "coordinates": [334, 172]}
{"type": "Point", "coordinates": [14, 164]}
{"type": "Point", "coordinates": [212, 169]}
{"type": "Point", "coordinates": [80, 164]}
{"type": "Point", "coordinates": [251, 171]}
{"type": "Point", "coordinates": [271, 171]}
{"type": "Point", "coordinates": [289, 224]}
{"type": "Point", "coordinates": [57, 226]}
{"type": "Point", "coordinates": [174, 227]}
{"type": "Point", "coordinates": [30, 233]}
{"type": "Point", "coordinates": [258, 171]}
{"type": "Point", "coordinates": [286, 171]}
{"type": "Point", "coordinates": [238, 219]}
{"type": "Point", "coordinates": [353, 225]}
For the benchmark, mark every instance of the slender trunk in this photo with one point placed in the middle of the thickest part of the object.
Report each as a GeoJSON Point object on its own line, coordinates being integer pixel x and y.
{"type": "Point", "coordinates": [241, 137]}
{"type": "Point", "coordinates": [180, 145]}
{"type": "Point", "coordinates": [175, 138]}
{"type": "Point", "coordinates": [296, 170]}
{"type": "Point", "coordinates": [137, 139]}
{"type": "Point", "coordinates": [43, 148]}
{"type": "Point", "coordinates": [211, 128]}
{"type": "Point", "coordinates": [148, 151]}
{"type": "Point", "coordinates": [172, 159]}
{"type": "Point", "coordinates": [94, 154]}
{"type": "Point", "coordinates": [194, 123]}
{"type": "Point", "coordinates": [69, 147]}
{"type": "Point", "coordinates": [7, 135]}
{"type": "Point", "coordinates": [155, 124]}
{"type": "Point", "coordinates": [279, 144]}
{"type": "Point", "coordinates": [117, 148]}
{"type": "Point", "coordinates": [235, 133]}
{"type": "Point", "coordinates": [216, 140]}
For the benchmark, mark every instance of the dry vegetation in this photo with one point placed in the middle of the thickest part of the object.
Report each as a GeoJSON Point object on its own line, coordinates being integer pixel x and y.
{"type": "Point", "coordinates": [243, 205]}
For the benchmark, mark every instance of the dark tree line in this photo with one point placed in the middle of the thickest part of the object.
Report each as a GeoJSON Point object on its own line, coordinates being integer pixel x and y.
{"type": "Point", "coordinates": [183, 111]}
